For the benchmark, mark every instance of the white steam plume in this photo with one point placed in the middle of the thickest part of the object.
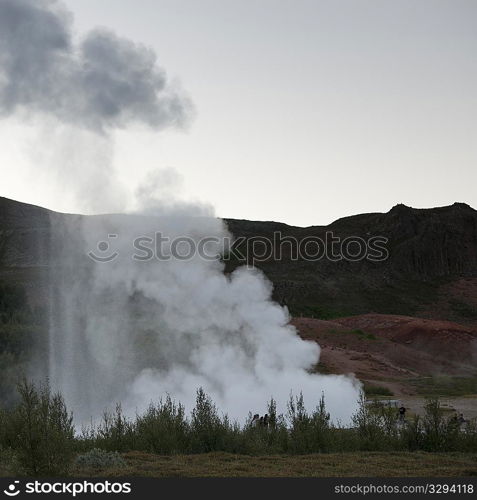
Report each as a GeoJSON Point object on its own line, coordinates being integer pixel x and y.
{"type": "Point", "coordinates": [101, 83]}
{"type": "Point", "coordinates": [130, 330]}
{"type": "Point", "coordinates": [135, 330]}
{"type": "Point", "coordinates": [78, 93]}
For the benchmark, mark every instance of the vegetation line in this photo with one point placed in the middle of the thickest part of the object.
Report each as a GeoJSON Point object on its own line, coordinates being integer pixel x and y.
{"type": "Point", "coordinates": [37, 437]}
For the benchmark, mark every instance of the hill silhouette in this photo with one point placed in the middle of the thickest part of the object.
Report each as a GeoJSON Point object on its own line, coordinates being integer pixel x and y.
{"type": "Point", "coordinates": [430, 271]}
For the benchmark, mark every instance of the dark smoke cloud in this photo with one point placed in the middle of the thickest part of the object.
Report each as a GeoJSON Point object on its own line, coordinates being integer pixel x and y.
{"type": "Point", "coordinates": [103, 82]}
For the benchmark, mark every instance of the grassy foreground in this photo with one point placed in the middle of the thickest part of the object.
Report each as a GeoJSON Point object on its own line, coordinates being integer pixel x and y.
{"type": "Point", "coordinates": [384, 464]}
{"type": "Point", "coordinates": [220, 464]}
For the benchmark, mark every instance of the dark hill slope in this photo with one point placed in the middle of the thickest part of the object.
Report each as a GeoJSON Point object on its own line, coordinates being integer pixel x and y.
{"type": "Point", "coordinates": [431, 270]}
{"type": "Point", "coordinates": [431, 252]}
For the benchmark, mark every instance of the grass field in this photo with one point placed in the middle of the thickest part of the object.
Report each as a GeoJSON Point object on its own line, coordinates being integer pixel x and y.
{"type": "Point", "coordinates": [318, 465]}
{"type": "Point", "coordinates": [445, 386]}
{"type": "Point", "coordinates": [371, 464]}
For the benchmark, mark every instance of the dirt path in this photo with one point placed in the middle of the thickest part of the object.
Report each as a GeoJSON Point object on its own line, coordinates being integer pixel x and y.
{"type": "Point", "coordinates": [465, 405]}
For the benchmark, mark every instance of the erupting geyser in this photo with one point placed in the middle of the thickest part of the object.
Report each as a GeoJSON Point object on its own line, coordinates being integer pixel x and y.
{"type": "Point", "coordinates": [134, 328]}
{"type": "Point", "coordinates": [131, 329]}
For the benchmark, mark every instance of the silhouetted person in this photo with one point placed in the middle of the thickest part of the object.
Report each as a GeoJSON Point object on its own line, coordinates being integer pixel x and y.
{"type": "Point", "coordinates": [255, 420]}
{"type": "Point", "coordinates": [461, 419]}
{"type": "Point", "coordinates": [261, 421]}
{"type": "Point", "coordinates": [265, 420]}
{"type": "Point", "coordinates": [402, 414]}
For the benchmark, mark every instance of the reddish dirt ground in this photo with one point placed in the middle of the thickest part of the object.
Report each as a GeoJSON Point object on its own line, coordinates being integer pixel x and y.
{"type": "Point", "coordinates": [387, 350]}
{"type": "Point", "coordinates": [393, 351]}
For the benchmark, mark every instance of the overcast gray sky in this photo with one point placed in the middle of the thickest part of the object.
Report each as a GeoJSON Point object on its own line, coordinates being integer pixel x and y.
{"type": "Point", "coordinates": [306, 110]}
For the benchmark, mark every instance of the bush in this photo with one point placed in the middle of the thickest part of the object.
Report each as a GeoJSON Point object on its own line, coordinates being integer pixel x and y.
{"type": "Point", "coordinates": [163, 428]}
{"type": "Point", "coordinates": [207, 430]}
{"type": "Point", "coordinates": [412, 434]}
{"type": "Point", "coordinates": [115, 432]}
{"type": "Point", "coordinates": [375, 426]}
{"type": "Point", "coordinates": [100, 459]}
{"type": "Point", "coordinates": [308, 433]}
{"type": "Point", "coordinates": [261, 440]}
{"type": "Point", "coordinates": [440, 434]}
{"type": "Point", "coordinates": [43, 431]}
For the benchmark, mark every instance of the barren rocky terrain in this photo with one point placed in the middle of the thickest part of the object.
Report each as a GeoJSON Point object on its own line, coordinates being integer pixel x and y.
{"type": "Point", "coordinates": [409, 357]}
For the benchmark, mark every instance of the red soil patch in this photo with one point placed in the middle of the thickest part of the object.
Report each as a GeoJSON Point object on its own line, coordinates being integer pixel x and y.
{"type": "Point", "coordinates": [386, 350]}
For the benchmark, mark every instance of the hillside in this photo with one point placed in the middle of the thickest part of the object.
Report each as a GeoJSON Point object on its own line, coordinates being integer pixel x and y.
{"type": "Point", "coordinates": [431, 271]}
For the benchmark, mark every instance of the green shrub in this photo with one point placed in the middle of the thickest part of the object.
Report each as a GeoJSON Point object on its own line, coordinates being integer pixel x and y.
{"type": "Point", "coordinates": [375, 426]}
{"type": "Point", "coordinates": [412, 434]}
{"type": "Point", "coordinates": [163, 428]}
{"type": "Point", "coordinates": [208, 432]}
{"type": "Point", "coordinates": [308, 433]}
{"type": "Point", "coordinates": [43, 431]}
{"type": "Point", "coordinates": [262, 440]}
{"type": "Point", "coordinates": [115, 432]}
{"type": "Point", "coordinates": [301, 426]}
{"type": "Point", "coordinates": [440, 433]}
